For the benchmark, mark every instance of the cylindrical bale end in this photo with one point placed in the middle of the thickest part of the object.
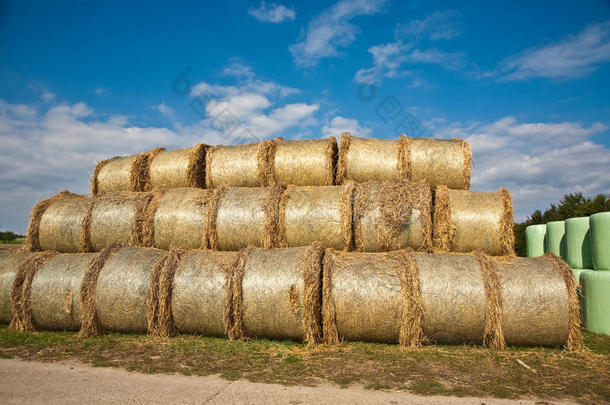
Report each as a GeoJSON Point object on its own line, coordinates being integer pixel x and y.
{"type": "Point", "coordinates": [465, 221]}
{"type": "Point", "coordinates": [392, 215]}
{"type": "Point", "coordinates": [9, 264]}
{"type": "Point", "coordinates": [178, 168]}
{"type": "Point", "coordinates": [56, 223]}
{"type": "Point", "coordinates": [310, 162]}
{"type": "Point", "coordinates": [600, 240]}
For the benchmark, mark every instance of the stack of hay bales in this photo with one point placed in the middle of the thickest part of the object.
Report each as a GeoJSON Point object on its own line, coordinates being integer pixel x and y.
{"type": "Point", "coordinates": [285, 239]}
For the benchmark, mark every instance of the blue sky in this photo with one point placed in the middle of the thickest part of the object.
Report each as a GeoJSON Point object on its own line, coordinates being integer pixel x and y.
{"type": "Point", "coordinates": [526, 84]}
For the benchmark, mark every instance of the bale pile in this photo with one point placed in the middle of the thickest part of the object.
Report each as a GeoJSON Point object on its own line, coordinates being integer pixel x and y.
{"type": "Point", "coordinates": [281, 304]}
{"type": "Point", "coordinates": [309, 214]}
{"type": "Point", "coordinates": [392, 215]}
{"type": "Point", "coordinates": [413, 298]}
{"type": "Point", "coordinates": [177, 168]}
{"type": "Point", "coordinates": [240, 165]}
{"type": "Point", "coordinates": [465, 221]}
{"type": "Point", "coordinates": [310, 162]}
{"type": "Point", "coordinates": [437, 161]}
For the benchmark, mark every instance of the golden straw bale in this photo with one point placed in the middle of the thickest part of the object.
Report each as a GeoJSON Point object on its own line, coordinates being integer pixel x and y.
{"type": "Point", "coordinates": [177, 217]}
{"type": "Point", "coordinates": [392, 215]}
{"type": "Point", "coordinates": [309, 162]}
{"type": "Point", "coordinates": [116, 218]}
{"type": "Point", "coordinates": [240, 165]}
{"type": "Point", "coordinates": [56, 223]}
{"type": "Point", "coordinates": [178, 168]}
{"type": "Point", "coordinates": [455, 298]}
{"type": "Point", "coordinates": [121, 289]}
{"type": "Point", "coordinates": [316, 213]}
{"type": "Point", "coordinates": [9, 263]}
{"type": "Point", "coordinates": [367, 159]}
{"type": "Point", "coordinates": [465, 221]}
{"type": "Point", "coordinates": [199, 296]}
{"type": "Point", "coordinates": [445, 162]}
{"type": "Point", "coordinates": [277, 294]}
{"type": "Point", "coordinates": [244, 216]}
{"type": "Point", "coordinates": [55, 292]}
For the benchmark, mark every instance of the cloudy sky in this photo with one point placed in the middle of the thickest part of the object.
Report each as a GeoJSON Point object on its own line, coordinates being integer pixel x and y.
{"type": "Point", "coordinates": [526, 84]}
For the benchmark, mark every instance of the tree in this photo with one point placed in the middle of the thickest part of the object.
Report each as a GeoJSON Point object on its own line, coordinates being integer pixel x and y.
{"type": "Point", "coordinates": [570, 206]}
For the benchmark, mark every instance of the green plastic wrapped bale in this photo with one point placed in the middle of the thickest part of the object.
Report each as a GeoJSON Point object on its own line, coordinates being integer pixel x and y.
{"type": "Point", "coordinates": [596, 300]}
{"type": "Point", "coordinates": [600, 240]}
{"type": "Point", "coordinates": [555, 238]}
{"type": "Point", "coordinates": [578, 274]}
{"type": "Point", "coordinates": [578, 243]}
{"type": "Point", "coordinates": [534, 240]}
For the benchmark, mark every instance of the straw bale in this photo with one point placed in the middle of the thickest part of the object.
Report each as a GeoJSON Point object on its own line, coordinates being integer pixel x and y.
{"type": "Point", "coordinates": [116, 218]}
{"type": "Point", "coordinates": [244, 216]}
{"type": "Point", "coordinates": [55, 294]}
{"type": "Point", "coordinates": [367, 159]}
{"type": "Point", "coordinates": [121, 289]}
{"type": "Point", "coordinates": [465, 221]}
{"type": "Point", "coordinates": [115, 174]}
{"type": "Point", "coordinates": [316, 213]}
{"type": "Point", "coordinates": [178, 168]}
{"type": "Point", "coordinates": [21, 303]}
{"type": "Point", "coordinates": [445, 162]}
{"type": "Point", "coordinates": [9, 263]}
{"type": "Point", "coordinates": [56, 223]}
{"type": "Point", "coordinates": [177, 217]}
{"type": "Point", "coordinates": [276, 294]}
{"type": "Point", "coordinates": [310, 162]}
{"type": "Point", "coordinates": [392, 215]}
{"type": "Point", "coordinates": [239, 165]}
{"type": "Point", "coordinates": [456, 298]}
{"type": "Point", "coordinates": [199, 300]}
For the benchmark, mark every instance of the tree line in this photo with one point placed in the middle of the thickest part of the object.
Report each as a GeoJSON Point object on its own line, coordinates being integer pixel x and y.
{"type": "Point", "coordinates": [570, 206]}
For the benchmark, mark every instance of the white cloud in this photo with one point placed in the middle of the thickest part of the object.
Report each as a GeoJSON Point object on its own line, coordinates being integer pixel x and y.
{"type": "Point", "coordinates": [331, 30]}
{"type": "Point", "coordinates": [436, 26]}
{"type": "Point", "coordinates": [338, 125]}
{"type": "Point", "coordinates": [538, 162]}
{"type": "Point", "coordinates": [47, 96]}
{"type": "Point", "coordinates": [165, 110]}
{"type": "Point", "coordinates": [273, 13]}
{"type": "Point", "coordinates": [446, 60]}
{"type": "Point", "coordinates": [238, 69]}
{"type": "Point", "coordinates": [100, 91]}
{"type": "Point", "coordinates": [573, 57]}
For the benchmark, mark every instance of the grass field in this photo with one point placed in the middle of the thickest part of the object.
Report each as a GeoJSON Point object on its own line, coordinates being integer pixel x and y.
{"type": "Point", "coordinates": [544, 373]}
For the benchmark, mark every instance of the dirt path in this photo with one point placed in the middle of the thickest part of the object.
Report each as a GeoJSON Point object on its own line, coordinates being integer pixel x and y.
{"type": "Point", "coordinates": [55, 383]}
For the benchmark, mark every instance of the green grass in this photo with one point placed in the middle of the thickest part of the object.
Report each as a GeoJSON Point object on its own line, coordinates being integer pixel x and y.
{"type": "Point", "coordinates": [431, 370]}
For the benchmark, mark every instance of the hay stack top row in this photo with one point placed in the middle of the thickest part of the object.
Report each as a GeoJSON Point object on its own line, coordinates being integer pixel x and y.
{"type": "Point", "coordinates": [311, 162]}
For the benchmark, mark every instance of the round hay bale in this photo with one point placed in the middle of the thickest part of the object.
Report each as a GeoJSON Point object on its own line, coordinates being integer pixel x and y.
{"type": "Point", "coordinates": [56, 223]}
{"type": "Point", "coordinates": [392, 215]}
{"type": "Point", "coordinates": [316, 213]}
{"type": "Point", "coordinates": [116, 218]}
{"type": "Point", "coordinates": [465, 221]}
{"type": "Point", "coordinates": [578, 243]}
{"type": "Point", "coordinates": [198, 298]}
{"type": "Point", "coordinates": [449, 298]}
{"type": "Point", "coordinates": [55, 295]}
{"type": "Point", "coordinates": [178, 168]}
{"type": "Point", "coordinates": [177, 217]}
{"type": "Point", "coordinates": [446, 162]}
{"type": "Point", "coordinates": [276, 294]}
{"type": "Point", "coordinates": [240, 165]}
{"type": "Point", "coordinates": [114, 293]}
{"type": "Point", "coordinates": [310, 162]}
{"type": "Point", "coordinates": [244, 216]}
{"type": "Point", "coordinates": [9, 263]}
{"type": "Point", "coordinates": [540, 302]}
{"type": "Point", "coordinates": [370, 159]}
